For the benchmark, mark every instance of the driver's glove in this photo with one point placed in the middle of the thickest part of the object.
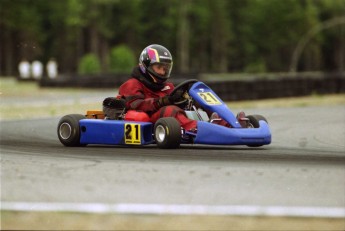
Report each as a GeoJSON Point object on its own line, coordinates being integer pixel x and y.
{"type": "Point", "coordinates": [170, 99]}
{"type": "Point", "coordinates": [164, 101]}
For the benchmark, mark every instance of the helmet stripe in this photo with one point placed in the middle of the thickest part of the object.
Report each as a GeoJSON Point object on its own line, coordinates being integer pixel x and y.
{"type": "Point", "coordinates": [153, 54]}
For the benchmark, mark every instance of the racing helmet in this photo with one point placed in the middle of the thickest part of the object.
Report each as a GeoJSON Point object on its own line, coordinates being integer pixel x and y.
{"type": "Point", "coordinates": [154, 54]}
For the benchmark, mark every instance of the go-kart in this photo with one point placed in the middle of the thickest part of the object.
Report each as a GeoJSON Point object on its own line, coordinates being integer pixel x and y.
{"type": "Point", "coordinates": [198, 101]}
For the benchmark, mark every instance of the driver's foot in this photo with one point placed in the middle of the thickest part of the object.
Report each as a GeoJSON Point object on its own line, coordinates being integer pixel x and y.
{"type": "Point", "coordinates": [193, 130]}
{"type": "Point", "coordinates": [216, 119]}
{"type": "Point", "coordinates": [242, 119]}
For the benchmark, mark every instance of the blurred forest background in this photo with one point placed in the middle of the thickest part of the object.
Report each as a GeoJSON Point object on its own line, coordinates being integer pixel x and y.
{"type": "Point", "coordinates": [213, 36]}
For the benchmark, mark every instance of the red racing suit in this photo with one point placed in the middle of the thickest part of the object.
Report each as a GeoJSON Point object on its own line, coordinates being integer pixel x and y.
{"type": "Point", "coordinates": [142, 98]}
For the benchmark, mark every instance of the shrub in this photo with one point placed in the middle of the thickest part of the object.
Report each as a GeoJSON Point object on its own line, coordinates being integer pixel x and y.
{"type": "Point", "coordinates": [257, 66]}
{"type": "Point", "coordinates": [121, 59]}
{"type": "Point", "coordinates": [89, 64]}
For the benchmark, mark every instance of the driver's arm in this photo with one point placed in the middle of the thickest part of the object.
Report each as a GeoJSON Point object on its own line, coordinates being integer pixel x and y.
{"type": "Point", "coordinates": [135, 98]}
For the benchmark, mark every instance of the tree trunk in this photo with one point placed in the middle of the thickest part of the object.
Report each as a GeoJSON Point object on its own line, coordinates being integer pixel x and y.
{"type": "Point", "coordinates": [7, 50]}
{"type": "Point", "coordinates": [183, 38]}
{"type": "Point", "coordinates": [219, 38]}
{"type": "Point", "coordinates": [341, 50]}
{"type": "Point", "coordinates": [94, 40]}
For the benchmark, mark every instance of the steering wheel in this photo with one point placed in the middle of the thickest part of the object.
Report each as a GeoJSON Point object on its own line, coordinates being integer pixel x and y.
{"type": "Point", "coordinates": [184, 86]}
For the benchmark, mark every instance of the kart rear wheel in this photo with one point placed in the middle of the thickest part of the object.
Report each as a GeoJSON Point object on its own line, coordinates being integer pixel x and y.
{"type": "Point", "coordinates": [167, 132]}
{"type": "Point", "coordinates": [68, 130]}
{"type": "Point", "coordinates": [254, 122]}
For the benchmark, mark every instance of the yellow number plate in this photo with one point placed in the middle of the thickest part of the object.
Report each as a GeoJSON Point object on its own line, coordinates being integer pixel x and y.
{"type": "Point", "coordinates": [209, 98]}
{"type": "Point", "coordinates": [132, 134]}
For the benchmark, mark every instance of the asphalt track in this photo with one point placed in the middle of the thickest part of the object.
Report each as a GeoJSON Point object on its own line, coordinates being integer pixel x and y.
{"type": "Point", "coordinates": [304, 167]}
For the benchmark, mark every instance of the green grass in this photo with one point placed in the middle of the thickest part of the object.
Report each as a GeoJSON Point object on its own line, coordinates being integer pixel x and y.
{"type": "Point", "coordinates": [303, 101]}
{"type": "Point", "coordinates": [13, 92]}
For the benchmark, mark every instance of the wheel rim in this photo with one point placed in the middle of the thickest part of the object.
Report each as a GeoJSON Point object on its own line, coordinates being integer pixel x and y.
{"type": "Point", "coordinates": [65, 131]}
{"type": "Point", "coordinates": [160, 133]}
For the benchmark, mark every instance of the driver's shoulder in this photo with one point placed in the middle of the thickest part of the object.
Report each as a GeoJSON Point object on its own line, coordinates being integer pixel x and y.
{"type": "Point", "coordinates": [131, 85]}
{"type": "Point", "coordinates": [132, 82]}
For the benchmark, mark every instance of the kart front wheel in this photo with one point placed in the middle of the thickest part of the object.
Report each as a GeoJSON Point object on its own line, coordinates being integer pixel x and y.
{"type": "Point", "coordinates": [167, 132]}
{"type": "Point", "coordinates": [68, 130]}
{"type": "Point", "coordinates": [254, 120]}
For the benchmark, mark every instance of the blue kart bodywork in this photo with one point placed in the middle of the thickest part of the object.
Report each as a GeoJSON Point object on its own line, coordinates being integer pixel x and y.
{"type": "Point", "coordinates": [209, 133]}
{"type": "Point", "coordinates": [118, 132]}
{"type": "Point", "coordinates": [122, 132]}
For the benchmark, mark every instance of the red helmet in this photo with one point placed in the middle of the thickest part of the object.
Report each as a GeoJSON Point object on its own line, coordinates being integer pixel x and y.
{"type": "Point", "coordinates": [154, 54]}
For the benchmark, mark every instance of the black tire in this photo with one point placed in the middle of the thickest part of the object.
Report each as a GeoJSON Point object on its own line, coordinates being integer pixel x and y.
{"type": "Point", "coordinates": [68, 130]}
{"type": "Point", "coordinates": [254, 120]}
{"type": "Point", "coordinates": [167, 132]}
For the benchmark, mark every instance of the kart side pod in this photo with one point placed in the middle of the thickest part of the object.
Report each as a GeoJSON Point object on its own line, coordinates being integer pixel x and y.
{"type": "Point", "coordinates": [115, 132]}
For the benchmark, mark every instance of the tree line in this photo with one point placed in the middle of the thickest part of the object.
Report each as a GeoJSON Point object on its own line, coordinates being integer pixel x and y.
{"type": "Point", "coordinates": [203, 35]}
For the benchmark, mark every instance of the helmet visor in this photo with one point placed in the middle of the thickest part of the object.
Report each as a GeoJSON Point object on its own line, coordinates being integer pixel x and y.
{"type": "Point", "coordinates": [160, 70]}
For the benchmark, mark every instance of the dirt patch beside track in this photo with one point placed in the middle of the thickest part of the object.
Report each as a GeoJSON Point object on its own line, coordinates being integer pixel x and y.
{"type": "Point", "coordinates": [80, 221]}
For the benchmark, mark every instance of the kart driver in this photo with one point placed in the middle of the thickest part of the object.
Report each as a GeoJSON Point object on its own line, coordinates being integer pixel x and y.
{"type": "Point", "coordinates": [148, 90]}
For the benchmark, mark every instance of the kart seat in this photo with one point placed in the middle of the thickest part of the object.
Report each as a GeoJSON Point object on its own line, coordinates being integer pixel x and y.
{"type": "Point", "coordinates": [114, 108]}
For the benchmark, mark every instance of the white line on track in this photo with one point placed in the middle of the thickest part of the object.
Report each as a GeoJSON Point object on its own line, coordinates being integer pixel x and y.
{"type": "Point", "coordinates": [238, 210]}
